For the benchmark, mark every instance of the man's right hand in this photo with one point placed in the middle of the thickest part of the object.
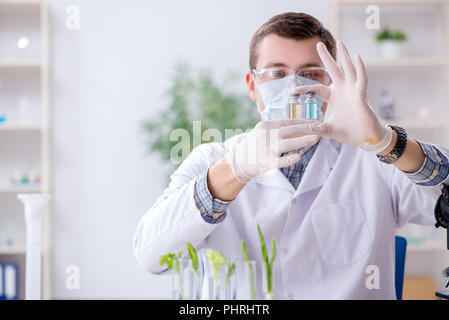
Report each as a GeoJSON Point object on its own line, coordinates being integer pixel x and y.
{"type": "Point", "coordinates": [262, 148]}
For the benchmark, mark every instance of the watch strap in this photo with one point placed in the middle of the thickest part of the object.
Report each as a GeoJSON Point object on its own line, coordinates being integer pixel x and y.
{"type": "Point", "coordinates": [399, 147]}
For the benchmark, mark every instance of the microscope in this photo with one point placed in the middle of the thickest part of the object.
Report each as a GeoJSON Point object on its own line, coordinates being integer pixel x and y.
{"type": "Point", "coordinates": [442, 220]}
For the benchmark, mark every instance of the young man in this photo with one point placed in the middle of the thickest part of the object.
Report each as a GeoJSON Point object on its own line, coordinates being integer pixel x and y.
{"type": "Point", "coordinates": [343, 187]}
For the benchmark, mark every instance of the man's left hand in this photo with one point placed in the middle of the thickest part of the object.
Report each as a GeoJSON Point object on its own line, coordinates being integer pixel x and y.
{"type": "Point", "coordinates": [352, 120]}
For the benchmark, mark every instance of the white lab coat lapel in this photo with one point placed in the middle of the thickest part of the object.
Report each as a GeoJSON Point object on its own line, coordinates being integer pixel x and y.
{"type": "Point", "coordinates": [319, 167]}
{"type": "Point", "coordinates": [275, 178]}
{"type": "Point", "coordinates": [315, 175]}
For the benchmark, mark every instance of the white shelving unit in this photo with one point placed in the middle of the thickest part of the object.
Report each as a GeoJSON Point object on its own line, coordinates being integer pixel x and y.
{"type": "Point", "coordinates": [20, 127]}
{"type": "Point", "coordinates": [20, 64]}
{"type": "Point", "coordinates": [405, 62]}
{"type": "Point", "coordinates": [6, 250]}
{"type": "Point", "coordinates": [426, 58]}
{"type": "Point", "coordinates": [15, 191]}
{"type": "Point", "coordinates": [24, 83]}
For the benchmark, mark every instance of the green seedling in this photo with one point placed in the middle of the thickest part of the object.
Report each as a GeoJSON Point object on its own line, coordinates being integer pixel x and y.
{"type": "Point", "coordinates": [173, 262]}
{"type": "Point", "coordinates": [230, 271]}
{"type": "Point", "coordinates": [267, 261]}
{"type": "Point", "coordinates": [216, 259]}
{"type": "Point", "coordinates": [245, 257]}
{"type": "Point", "coordinates": [194, 257]}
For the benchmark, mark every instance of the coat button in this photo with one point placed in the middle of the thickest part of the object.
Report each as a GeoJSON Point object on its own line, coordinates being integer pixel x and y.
{"type": "Point", "coordinates": [294, 201]}
{"type": "Point", "coordinates": [290, 296]}
{"type": "Point", "coordinates": [216, 215]}
{"type": "Point", "coordinates": [285, 250]}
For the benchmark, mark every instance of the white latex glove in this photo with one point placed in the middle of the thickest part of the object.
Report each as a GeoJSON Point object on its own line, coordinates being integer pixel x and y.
{"type": "Point", "coordinates": [260, 151]}
{"type": "Point", "coordinates": [352, 121]}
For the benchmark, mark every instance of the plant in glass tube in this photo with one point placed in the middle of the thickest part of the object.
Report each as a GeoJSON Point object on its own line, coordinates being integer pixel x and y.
{"type": "Point", "coordinates": [245, 258]}
{"type": "Point", "coordinates": [216, 259]}
{"type": "Point", "coordinates": [195, 279]}
{"type": "Point", "coordinates": [230, 281]}
{"type": "Point", "coordinates": [173, 262]}
{"type": "Point", "coordinates": [230, 271]}
{"type": "Point", "coordinates": [268, 265]}
{"type": "Point", "coordinates": [194, 257]}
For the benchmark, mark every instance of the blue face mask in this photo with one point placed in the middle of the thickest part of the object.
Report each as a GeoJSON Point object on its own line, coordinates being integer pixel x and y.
{"type": "Point", "coordinates": [275, 95]}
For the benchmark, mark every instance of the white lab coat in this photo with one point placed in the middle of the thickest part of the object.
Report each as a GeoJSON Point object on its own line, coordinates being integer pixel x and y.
{"type": "Point", "coordinates": [329, 231]}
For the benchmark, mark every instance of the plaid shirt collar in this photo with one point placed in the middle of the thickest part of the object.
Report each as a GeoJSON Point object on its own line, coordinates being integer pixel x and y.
{"type": "Point", "coordinates": [294, 173]}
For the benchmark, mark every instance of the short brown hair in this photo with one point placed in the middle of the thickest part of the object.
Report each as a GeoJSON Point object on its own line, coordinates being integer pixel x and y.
{"type": "Point", "coordinates": [291, 25]}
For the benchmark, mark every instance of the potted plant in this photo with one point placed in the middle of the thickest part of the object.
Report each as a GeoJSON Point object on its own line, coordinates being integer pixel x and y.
{"type": "Point", "coordinates": [390, 43]}
{"type": "Point", "coordinates": [196, 95]}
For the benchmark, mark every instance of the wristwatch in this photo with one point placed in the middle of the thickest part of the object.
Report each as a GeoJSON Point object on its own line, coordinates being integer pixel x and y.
{"type": "Point", "coordinates": [399, 147]}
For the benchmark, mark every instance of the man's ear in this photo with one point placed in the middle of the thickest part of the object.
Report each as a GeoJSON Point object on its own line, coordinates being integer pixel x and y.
{"type": "Point", "coordinates": [250, 85]}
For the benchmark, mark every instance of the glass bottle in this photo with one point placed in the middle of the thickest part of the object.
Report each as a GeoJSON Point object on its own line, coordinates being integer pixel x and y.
{"type": "Point", "coordinates": [294, 106]}
{"type": "Point", "coordinates": [386, 105]}
{"type": "Point", "coordinates": [311, 106]}
{"type": "Point", "coordinates": [10, 231]}
{"type": "Point", "coordinates": [2, 113]}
